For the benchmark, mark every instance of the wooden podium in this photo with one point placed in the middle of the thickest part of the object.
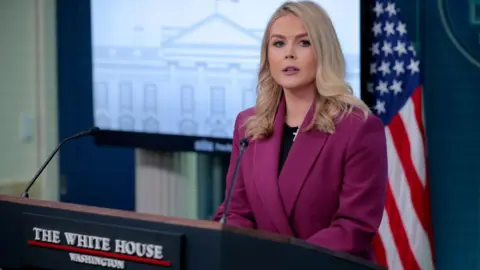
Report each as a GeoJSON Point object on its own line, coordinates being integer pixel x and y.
{"type": "Point", "coordinates": [40, 234]}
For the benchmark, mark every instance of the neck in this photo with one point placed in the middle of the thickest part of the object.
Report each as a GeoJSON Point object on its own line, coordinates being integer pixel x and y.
{"type": "Point", "coordinates": [297, 102]}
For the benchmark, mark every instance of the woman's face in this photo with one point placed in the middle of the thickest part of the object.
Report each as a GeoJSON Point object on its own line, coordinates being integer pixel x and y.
{"type": "Point", "coordinates": [291, 57]}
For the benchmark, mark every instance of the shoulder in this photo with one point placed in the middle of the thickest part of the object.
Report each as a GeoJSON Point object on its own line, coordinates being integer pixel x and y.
{"type": "Point", "coordinates": [245, 114]}
{"type": "Point", "coordinates": [241, 120]}
{"type": "Point", "coordinates": [360, 136]}
{"type": "Point", "coordinates": [356, 124]}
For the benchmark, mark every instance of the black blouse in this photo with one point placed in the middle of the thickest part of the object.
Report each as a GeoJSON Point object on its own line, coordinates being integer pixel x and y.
{"type": "Point", "coordinates": [287, 141]}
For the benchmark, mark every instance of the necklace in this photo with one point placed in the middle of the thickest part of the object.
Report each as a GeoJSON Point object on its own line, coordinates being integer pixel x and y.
{"type": "Point", "coordinates": [295, 134]}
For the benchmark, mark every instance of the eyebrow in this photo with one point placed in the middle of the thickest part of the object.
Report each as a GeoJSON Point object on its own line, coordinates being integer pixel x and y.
{"type": "Point", "coordinates": [283, 37]}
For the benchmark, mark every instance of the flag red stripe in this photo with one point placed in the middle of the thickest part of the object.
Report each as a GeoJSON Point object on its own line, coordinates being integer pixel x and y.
{"type": "Point", "coordinates": [418, 108]}
{"type": "Point", "coordinates": [428, 220]}
{"type": "Point", "coordinates": [379, 250]}
{"type": "Point", "coordinates": [399, 234]}
{"type": "Point", "coordinates": [402, 145]}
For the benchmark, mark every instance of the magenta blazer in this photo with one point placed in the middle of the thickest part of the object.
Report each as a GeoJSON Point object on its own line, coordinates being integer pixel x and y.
{"type": "Point", "coordinates": [331, 191]}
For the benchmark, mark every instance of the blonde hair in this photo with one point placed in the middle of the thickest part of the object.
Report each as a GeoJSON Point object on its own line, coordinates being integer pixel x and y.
{"type": "Point", "coordinates": [334, 96]}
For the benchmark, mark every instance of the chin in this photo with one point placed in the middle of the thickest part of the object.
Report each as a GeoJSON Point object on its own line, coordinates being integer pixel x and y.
{"type": "Point", "coordinates": [293, 84]}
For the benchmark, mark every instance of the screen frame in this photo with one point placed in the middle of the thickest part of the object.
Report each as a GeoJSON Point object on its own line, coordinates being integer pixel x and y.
{"type": "Point", "coordinates": [183, 143]}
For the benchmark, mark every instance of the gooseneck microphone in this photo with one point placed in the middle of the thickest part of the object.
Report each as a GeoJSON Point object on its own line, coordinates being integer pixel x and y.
{"type": "Point", "coordinates": [243, 146]}
{"type": "Point", "coordinates": [84, 133]}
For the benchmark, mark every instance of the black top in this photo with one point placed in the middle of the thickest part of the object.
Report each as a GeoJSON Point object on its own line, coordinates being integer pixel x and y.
{"type": "Point", "coordinates": [287, 141]}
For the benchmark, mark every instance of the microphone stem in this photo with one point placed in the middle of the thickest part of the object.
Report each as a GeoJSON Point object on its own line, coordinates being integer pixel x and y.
{"type": "Point", "coordinates": [78, 135]}
{"type": "Point", "coordinates": [30, 184]}
{"type": "Point", "coordinates": [223, 220]}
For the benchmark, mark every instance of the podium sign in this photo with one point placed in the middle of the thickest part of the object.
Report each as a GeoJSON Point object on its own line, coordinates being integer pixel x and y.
{"type": "Point", "coordinates": [72, 241]}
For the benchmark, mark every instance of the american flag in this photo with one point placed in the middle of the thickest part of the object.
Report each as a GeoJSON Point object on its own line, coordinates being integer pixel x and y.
{"type": "Point", "coordinates": [405, 236]}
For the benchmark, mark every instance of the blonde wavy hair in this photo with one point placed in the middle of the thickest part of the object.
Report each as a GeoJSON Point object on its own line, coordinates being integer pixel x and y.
{"type": "Point", "coordinates": [335, 97]}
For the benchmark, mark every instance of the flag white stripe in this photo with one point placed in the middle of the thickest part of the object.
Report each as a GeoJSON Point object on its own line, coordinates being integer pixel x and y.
{"type": "Point", "coordinates": [391, 252]}
{"type": "Point", "coordinates": [407, 114]}
{"type": "Point", "coordinates": [417, 236]}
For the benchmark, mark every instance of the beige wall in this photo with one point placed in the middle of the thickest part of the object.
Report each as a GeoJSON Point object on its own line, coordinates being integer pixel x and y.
{"type": "Point", "coordinates": [27, 95]}
{"type": "Point", "coordinates": [166, 183]}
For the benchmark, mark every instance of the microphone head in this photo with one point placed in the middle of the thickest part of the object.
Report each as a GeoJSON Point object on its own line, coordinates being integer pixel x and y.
{"type": "Point", "coordinates": [93, 130]}
{"type": "Point", "coordinates": [244, 142]}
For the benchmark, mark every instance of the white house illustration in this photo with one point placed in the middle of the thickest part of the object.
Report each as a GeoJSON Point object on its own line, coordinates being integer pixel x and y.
{"type": "Point", "coordinates": [216, 61]}
{"type": "Point", "coordinates": [193, 83]}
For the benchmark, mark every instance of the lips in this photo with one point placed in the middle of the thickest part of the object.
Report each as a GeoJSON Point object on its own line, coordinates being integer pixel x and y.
{"type": "Point", "coordinates": [290, 70]}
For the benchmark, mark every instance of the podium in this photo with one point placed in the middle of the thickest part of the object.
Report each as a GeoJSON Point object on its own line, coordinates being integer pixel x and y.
{"type": "Point", "coordinates": [39, 234]}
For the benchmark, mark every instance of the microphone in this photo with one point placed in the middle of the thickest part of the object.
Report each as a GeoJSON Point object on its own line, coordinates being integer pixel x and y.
{"type": "Point", "coordinates": [84, 133]}
{"type": "Point", "coordinates": [243, 146]}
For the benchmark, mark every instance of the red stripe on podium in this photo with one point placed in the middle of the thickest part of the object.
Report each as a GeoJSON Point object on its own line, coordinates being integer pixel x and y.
{"type": "Point", "coordinates": [100, 253]}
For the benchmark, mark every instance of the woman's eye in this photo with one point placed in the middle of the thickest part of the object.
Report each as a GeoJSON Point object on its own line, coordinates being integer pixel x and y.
{"type": "Point", "coordinates": [278, 43]}
{"type": "Point", "coordinates": [305, 43]}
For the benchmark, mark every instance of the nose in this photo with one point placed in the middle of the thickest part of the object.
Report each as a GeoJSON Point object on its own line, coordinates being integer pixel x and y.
{"type": "Point", "coordinates": [290, 52]}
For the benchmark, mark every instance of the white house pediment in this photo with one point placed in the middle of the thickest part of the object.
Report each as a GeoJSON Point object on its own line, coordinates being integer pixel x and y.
{"type": "Point", "coordinates": [214, 31]}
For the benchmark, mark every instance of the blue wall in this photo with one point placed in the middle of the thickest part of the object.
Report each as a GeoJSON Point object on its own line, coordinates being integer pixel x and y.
{"type": "Point", "coordinates": [90, 174]}
{"type": "Point", "coordinates": [452, 94]}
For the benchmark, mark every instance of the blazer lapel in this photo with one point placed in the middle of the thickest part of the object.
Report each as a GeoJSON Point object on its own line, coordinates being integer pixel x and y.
{"type": "Point", "coordinates": [266, 159]}
{"type": "Point", "coordinates": [301, 157]}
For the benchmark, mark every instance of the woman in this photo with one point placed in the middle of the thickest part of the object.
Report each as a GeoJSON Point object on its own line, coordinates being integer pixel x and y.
{"type": "Point", "coordinates": [316, 164]}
